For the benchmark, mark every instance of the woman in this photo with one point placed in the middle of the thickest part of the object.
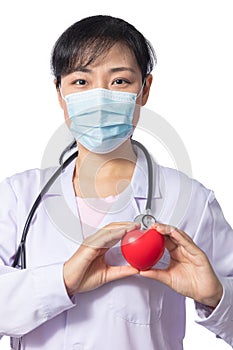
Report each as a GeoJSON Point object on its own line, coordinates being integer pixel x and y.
{"type": "Point", "coordinates": [77, 291]}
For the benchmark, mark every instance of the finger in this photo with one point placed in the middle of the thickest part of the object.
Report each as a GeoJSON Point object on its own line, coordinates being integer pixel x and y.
{"type": "Point", "coordinates": [114, 234]}
{"type": "Point", "coordinates": [122, 224]}
{"type": "Point", "coordinates": [170, 243]}
{"type": "Point", "coordinates": [117, 272]}
{"type": "Point", "coordinates": [164, 229]}
{"type": "Point", "coordinates": [178, 237]}
{"type": "Point", "coordinates": [110, 235]}
{"type": "Point", "coordinates": [159, 275]}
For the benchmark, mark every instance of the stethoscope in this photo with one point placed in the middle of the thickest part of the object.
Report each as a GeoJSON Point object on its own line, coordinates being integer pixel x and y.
{"type": "Point", "coordinates": [146, 219]}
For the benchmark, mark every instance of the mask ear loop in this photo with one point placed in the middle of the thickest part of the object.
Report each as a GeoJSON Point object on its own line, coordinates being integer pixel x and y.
{"type": "Point", "coordinates": [60, 89]}
{"type": "Point", "coordinates": [73, 144]}
{"type": "Point", "coordinates": [141, 90]}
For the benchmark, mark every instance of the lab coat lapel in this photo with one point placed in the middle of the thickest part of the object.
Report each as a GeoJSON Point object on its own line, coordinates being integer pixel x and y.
{"type": "Point", "coordinates": [61, 206]}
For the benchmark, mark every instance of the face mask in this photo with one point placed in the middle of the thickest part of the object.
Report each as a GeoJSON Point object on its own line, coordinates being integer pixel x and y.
{"type": "Point", "coordinates": [101, 120]}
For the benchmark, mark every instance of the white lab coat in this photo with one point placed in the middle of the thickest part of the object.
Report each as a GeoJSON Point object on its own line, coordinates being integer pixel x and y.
{"type": "Point", "coordinates": [132, 313]}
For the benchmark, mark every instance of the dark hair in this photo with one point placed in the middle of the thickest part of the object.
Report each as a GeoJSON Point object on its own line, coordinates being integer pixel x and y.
{"type": "Point", "coordinates": [90, 37]}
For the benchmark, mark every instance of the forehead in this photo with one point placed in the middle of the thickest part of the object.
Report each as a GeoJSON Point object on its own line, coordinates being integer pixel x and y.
{"type": "Point", "coordinates": [118, 54]}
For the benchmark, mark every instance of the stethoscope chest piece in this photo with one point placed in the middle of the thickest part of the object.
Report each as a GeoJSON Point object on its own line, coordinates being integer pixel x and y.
{"type": "Point", "coordinates": [146, 220]}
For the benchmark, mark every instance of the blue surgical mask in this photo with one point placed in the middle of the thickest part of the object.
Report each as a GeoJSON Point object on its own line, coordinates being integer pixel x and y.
{"type": "Point", "coordinates": [101, 120]}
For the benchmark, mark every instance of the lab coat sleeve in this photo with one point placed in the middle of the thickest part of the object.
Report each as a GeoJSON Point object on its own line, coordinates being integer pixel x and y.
{"type": "Point", "coordinates": [215, 237]}
{"type": "Point", "coordinates": [28, 297]}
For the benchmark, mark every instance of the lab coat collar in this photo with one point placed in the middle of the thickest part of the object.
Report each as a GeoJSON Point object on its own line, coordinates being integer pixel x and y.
{"type": "Point", "coordinates": [61, 206]}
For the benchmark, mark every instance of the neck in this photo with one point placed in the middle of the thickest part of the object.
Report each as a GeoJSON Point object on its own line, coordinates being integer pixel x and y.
{"type": "Point", "coordinates": [103, 173]}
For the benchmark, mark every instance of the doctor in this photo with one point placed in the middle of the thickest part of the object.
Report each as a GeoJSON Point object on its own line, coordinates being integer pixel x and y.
{"type": "Point", "coordinates": [77, 291]}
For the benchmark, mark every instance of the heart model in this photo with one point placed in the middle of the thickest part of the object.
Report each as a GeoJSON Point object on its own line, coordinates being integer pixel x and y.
{"type": "Point", "coordinates": [142, 249]}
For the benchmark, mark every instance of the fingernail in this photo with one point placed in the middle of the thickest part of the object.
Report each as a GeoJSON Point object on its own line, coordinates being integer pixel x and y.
{"type": "Point", "coordinates": [158, 227]}
{"type": "Point", "coordinates": [170, 228]}
{"type": "Point", "coordinates": [164, 228]}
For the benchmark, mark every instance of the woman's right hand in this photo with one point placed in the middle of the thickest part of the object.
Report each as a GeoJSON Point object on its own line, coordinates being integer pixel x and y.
{"type": "Point", "coordinates": [87, 269]}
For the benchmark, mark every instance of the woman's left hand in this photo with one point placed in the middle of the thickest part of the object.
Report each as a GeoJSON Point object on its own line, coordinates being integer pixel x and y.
{"type": "Point", "coordinates": [190, 272]}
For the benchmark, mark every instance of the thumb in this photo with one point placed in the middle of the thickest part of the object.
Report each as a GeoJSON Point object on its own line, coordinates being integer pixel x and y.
{"type": "Point", "coordinates": [118, 272]}
{"type": "Point", "coordinates": [158, 275]}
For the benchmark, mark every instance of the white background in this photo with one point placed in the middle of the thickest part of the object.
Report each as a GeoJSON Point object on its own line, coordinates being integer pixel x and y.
{"type": "Point", "coordinates": [193, 86]}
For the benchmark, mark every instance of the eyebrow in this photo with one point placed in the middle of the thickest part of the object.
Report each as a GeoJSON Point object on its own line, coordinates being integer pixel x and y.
{"type": "Point", "coordinates": [122, 69]}
{"type": "Point", "coordinates": [113, 70]}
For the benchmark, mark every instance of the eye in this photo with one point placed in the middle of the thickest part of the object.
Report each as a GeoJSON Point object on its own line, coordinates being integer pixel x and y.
{"type": "Point", "coordinates": [120, 82]}
{"type": "Point", "coordinates": [80, 82]}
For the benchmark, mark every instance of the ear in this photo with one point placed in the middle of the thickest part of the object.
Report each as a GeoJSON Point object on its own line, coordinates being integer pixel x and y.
{"type": "Point", "coordinates": [146, 89]}
{"type": "Point", "coordinates": [60, 99]}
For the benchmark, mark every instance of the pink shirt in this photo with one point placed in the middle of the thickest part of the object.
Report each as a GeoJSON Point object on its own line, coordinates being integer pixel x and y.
{"type": "Point", "coordinates": [92, 212]}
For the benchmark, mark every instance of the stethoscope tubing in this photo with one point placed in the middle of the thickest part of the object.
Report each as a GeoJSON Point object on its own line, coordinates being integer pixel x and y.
{"type": "Point", "coordinates": [20, 256]}
{"type": "Point", "coordinates": [149, 173]}
{"type": "Point", "coordinates": [21, 251]}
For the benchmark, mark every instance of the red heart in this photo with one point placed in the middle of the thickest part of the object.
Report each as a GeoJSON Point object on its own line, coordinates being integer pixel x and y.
{"type": "Point", "coordinates": [143, 249]}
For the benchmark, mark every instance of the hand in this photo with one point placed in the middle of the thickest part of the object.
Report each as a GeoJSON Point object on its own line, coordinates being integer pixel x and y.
{"type": "Point", "coordinates": [190, 272]}
{"type": "Point", "coordinates": [87, 269]}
